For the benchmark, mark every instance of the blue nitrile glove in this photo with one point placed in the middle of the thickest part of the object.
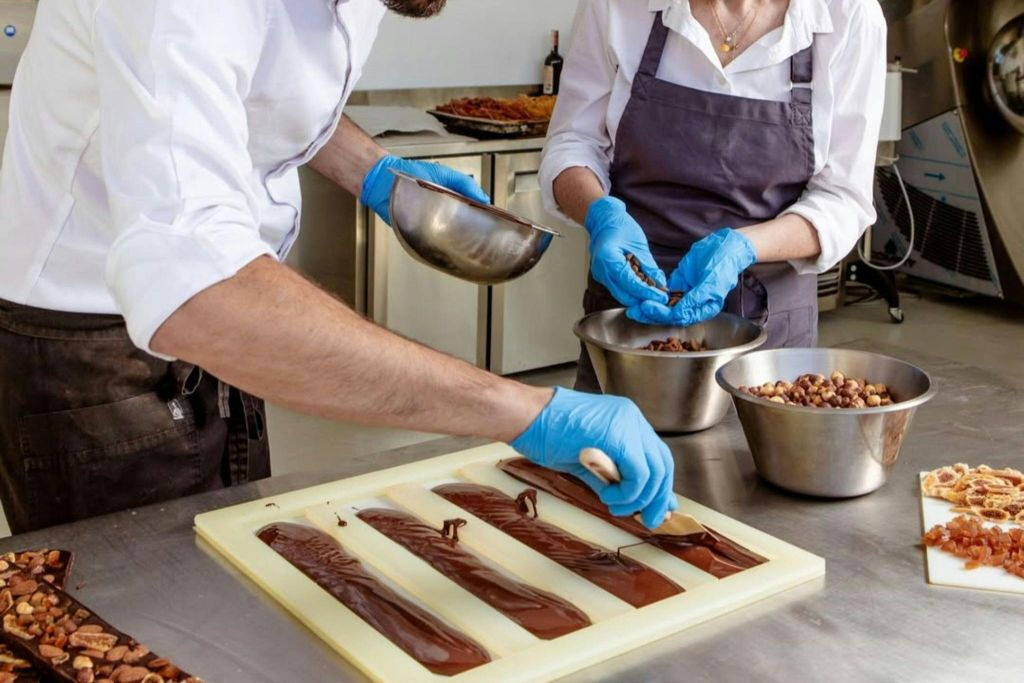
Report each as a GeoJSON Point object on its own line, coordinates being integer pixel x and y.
{"type": "Point", "coordinates": [708, 272]}
{"type": "Point", "coordinates": [378, 183]}
{"type": "Point", "coordinates": [573, 421]}
{"type": "Point", "coordinates": [613, 234]}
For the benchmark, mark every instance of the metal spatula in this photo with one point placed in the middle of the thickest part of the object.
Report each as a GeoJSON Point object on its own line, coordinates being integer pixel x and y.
{"type": "Point", "coordinates": [601, 466]}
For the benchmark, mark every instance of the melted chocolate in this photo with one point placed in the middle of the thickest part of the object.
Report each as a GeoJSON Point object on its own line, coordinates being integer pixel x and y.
{"type": "Point", "coordinates": [620, 576]}
{"type": "Point", "coordinates": [710, 552]}
{"type": "Point", "coordinates": [421, 635]}
{"type": "Point", "coordinates": [539, 612]}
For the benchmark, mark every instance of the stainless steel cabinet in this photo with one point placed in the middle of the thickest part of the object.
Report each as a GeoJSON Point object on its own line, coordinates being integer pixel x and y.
{"type": "Point", "coordinates": [421, 303]}
{"type": "Point", "coordinates": [532, 317]}
{"type": "Point", "coordinates": [522, 325]}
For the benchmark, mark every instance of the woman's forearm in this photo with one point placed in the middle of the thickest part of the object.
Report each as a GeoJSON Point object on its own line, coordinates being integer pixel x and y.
{"type": "Point", "coordinates": [575, 190]}
{"type": "Point", "coordinates": [784, 238]}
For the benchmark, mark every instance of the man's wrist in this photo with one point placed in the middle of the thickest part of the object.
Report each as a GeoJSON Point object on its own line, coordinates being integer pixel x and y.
{"type": "Point", "coordinates": [520, 406]}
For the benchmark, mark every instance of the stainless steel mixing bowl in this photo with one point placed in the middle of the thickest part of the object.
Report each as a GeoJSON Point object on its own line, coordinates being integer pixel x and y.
{"type": "Point", "coordinates": [462, 237]}
{"type": "Point", "coordinates": [675, 391]}
{"type": "Point", "coordinates": [835, 453]}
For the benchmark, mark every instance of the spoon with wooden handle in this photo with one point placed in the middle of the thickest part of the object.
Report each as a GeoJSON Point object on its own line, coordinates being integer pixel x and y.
{"type": "Point", "coordinates": [603, 467]}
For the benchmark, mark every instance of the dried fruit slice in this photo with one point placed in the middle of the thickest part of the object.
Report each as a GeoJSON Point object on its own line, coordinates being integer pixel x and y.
{"type": "Point", "coordinates": [993, 514]}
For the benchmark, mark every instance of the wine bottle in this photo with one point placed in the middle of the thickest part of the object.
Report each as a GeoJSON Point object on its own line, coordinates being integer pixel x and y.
{"type": "Point", "coordinates": [553, 67]}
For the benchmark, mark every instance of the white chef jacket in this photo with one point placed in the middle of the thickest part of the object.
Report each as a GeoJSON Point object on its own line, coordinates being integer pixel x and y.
{"type": "Point", "coordinates": [848, 86]}
{"type": "Point", "coordinates": [154, 144]}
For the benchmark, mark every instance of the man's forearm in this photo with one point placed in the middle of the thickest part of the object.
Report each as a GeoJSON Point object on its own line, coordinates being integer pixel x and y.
{"type": "Point", "coordinates": [784, 238]}
{"type": "Point", "coordinates": [575, 190]}
{"type": "Point", "coordinates": [273, 334]}
{"type": "Point", "coordinates": [348, 156]}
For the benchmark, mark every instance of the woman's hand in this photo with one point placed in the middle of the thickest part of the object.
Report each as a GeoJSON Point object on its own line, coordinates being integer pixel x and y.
{"type": "Point", "coordinates": [613, 235]}
{"type": "Point", "coordinates": [708, 272]}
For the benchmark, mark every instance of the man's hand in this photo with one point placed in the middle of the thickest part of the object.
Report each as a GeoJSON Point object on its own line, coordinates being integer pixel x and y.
{"type": "Point", "coordinates": [377, 186]}
{"type": "Point", "coordinates": [573, 421]}
{"type": "Point", "coordinates": [708, 272]}
{"type": "Point", "coordinates": [613, 235]}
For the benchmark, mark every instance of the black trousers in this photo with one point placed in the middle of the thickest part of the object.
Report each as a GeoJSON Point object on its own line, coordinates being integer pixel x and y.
{"type": "Point", "coordinates": [91, 424]}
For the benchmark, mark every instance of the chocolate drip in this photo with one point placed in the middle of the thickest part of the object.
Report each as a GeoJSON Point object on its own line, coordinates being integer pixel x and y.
{"type": "Point", "coordinates": [620, 576]}
{"type": "Point", "coordinates": [424, 637]}
{"type": "Point", "coordinates": [450, 528]}
{"type": "Point", "coordinates": [539, 612]}
{"type": "Point", "coordinates": [526, 502]}
{"type": "Point", "coordinates": [710, 552]}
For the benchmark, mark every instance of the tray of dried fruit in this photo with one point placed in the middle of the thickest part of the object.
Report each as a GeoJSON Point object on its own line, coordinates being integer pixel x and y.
{"type": "Point", "coordinates": [490, 117]}
{"type": "Point", "coordinates": [480, 566]}
{"type": "Point", "coordinates": [973, 521]}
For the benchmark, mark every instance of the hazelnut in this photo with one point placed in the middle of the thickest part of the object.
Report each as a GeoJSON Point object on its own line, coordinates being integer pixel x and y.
{"type": "Point", "coordinates": [870, 389]}
{"type": "Point", "coordinates": [857, 402]}
{"type": "Point", "coordinates": [81, 662]}
{"type": "Point", "coordinates": [24, 608]}
{"type": "Point", "coordinates": [838, 377]}
{"type": "Point", "coordinates": [874, 400]}
{"type": "Point", "coordinates": [827, 395]}
{"type": "Point", "coordinates": [777, 399]}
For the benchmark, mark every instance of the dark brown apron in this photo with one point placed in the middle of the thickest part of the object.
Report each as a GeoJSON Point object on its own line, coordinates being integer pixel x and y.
{"type": "Point", "coordinates": [90, 424]}
{"type": "Point", "coordinates": [688, 162]}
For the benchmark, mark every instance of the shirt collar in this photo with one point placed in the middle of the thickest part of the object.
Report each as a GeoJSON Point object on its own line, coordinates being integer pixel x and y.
{"type": "Point", "coordinates": [803, 19]}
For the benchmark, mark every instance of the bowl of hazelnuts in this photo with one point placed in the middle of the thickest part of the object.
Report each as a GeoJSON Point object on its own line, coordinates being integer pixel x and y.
{"type": "Point", "coordinates": [825, 422]}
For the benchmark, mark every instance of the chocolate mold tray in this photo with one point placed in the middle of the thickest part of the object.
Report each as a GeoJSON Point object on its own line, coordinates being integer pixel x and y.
{"type": "Point", "coordinates": [517, 655]}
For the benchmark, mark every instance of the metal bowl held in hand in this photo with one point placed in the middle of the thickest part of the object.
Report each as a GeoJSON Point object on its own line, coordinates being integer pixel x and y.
{"type": "Point", "coordinates": [830, 452]}
{"type": "Point", "coordinates": [675, 391]}
{"type": "Point", "coordinates": [463, 237]}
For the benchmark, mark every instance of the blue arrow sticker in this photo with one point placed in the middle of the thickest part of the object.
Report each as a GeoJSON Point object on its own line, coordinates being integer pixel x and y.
{"type": "Point", "coordinates": [10, 30]}
{"type": "Point", "coordinates": [937, 176]}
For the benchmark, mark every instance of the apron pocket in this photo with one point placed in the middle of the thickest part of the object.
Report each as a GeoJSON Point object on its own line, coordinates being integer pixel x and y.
{"type": "Point", "coordinates": [90, 461]}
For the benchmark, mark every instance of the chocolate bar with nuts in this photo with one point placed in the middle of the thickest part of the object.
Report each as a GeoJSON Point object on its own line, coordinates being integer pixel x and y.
{"type": "Point", "coordinates": [52, 566]}
{"type": "Point", "coordinates": [67, 642]}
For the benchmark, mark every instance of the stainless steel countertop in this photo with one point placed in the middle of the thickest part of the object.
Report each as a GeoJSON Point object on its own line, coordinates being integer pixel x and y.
{"type": "Point", "coordinates": [422, 145]}
{"type": "Point", "coordinates": [873, 617]}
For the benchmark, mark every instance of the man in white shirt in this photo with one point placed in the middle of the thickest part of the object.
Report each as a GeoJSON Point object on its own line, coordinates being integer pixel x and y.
{"type": "Point", "coordinates": [148, 193]}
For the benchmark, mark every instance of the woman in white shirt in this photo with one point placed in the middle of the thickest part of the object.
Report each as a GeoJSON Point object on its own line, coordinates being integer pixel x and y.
{"type": "Point", "coordinates": [730, 143]}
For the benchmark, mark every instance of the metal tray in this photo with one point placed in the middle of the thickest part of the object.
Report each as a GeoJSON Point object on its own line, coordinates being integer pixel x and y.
{"type": "Point", "coordinates": [491, 128]}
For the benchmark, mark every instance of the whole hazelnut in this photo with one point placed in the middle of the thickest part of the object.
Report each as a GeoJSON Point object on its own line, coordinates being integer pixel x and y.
{"type": "Point", "coordinates": [880, 388]}
{"type": "Point", "coordinates": [827, 395]}
{"type": "Point", "coordinates": [874, 400]}
{"type": "Point", "coordinates": [857, 402]}
{"type": "Point", "coordinates": [838, 377]}
{"type": "Point", "coordinates": [777, 399]}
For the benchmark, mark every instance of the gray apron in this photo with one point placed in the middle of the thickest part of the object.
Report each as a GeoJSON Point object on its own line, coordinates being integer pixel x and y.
{"type": "Point", "coordinates": [688, 162]}
{"type": "Point", "coordinates": [90, 424]}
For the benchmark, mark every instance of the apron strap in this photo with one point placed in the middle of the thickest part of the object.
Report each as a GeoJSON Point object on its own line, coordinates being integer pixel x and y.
{"type": "Point", "coordinates": [801, 73]}
{"type": "Point", "coordinates": [655, 47]}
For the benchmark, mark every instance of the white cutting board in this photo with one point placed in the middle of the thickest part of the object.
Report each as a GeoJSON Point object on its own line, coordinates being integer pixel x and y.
{"type": "Point", "coordinates": [946, 569]}
{"type": "Point", "coordinates": [517, 655]}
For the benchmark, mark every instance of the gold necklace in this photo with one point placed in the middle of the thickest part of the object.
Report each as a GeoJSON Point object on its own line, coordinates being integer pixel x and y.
{"type": "Point", "coordinates": [730, 41]}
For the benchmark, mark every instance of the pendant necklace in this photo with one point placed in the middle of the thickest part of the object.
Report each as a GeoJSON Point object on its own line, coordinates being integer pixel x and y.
{"type": "Point", "coordinates": [731, 40]}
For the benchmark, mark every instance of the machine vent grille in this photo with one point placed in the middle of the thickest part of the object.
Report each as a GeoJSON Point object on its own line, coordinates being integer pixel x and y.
{"type": "Point", "coordinates": [946, 236]}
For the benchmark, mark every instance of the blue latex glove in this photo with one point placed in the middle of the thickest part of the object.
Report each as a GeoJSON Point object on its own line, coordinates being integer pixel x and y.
{"type": "Point", "coordinates": [573, 421]}
{"type": "Point", "coordinates": [708, 272]}
{"type": "Point", "coordinates": [378, 183]}
{"type": "Point", "coordinates": [613, 234]}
